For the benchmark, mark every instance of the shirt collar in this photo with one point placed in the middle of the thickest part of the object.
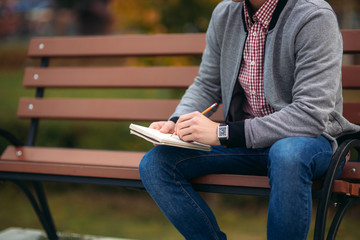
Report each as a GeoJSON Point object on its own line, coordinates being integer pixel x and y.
{"type": "Point", "coordinates": [263, 15]}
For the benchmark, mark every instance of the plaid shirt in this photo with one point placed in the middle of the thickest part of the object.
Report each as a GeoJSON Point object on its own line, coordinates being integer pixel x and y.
{"type": "Point", "coordinates": [252, 67]}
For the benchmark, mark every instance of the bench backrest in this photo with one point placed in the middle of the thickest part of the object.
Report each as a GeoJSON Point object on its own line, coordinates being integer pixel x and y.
{"type": "Point", "coordinates": [77, 74]}
{"type": "Point", "coordinates": [109, 77]}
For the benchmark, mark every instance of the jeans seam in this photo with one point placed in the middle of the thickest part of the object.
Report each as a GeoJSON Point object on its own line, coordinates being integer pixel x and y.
{"type": "Point", "coordinates": [189, 196]}
{"type": "Point", "coordinates": [191, 199]}
{"type": "Point", "coordinates": [198, 207]}
{"type": "Point", "coordinates": [307, 218]}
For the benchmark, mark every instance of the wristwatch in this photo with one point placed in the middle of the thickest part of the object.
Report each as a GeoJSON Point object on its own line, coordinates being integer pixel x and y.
{"type": "Point", "coordinates": [223, 133]}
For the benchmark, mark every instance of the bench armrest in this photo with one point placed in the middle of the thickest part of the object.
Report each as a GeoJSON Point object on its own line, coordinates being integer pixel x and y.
{"type": "Point", "coordinates": [346, 143]}
{"type": "Point", "coordinates": [11, 138]}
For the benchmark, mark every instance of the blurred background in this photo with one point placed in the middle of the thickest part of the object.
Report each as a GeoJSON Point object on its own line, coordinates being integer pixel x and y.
{"type": "Point", "coordinates": [113, 211]}
{"type": "Point", "coordinates": [22, 19]}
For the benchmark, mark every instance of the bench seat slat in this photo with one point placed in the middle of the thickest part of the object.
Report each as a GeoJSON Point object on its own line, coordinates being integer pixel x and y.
{"type": "Point", "coordinates": [129, 45]}
{"type": "Point", "coordinates": [104, 158]}
{"type": "Point", "coordinates": [354, 190]}
{"type": "Point", "coordinates": [73, 170]}
{"type": "Point", "coordinates": [74, 162]}
{"type": "Point", "coordinates": [100, 109]}
{"type": "Point", "coordinates": [119, 165]}
{"type": "Point", "coordinates": [108, 77]}
{"type": "Point", "coordinates": [351, 171]}
{"type": "Point", "coordinates": [234, 180]}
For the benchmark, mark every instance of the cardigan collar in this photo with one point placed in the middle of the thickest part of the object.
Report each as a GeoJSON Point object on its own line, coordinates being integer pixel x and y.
{"type": "Point", "coordinates": [280, 6]}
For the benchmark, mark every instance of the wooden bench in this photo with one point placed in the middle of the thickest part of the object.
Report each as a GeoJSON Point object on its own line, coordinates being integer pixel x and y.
{"type": "Point", "coordinates": [28, 162]}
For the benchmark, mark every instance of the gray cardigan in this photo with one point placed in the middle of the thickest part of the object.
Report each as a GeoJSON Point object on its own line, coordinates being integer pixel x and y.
{"type": "Point", "coordinates": [302, 72]}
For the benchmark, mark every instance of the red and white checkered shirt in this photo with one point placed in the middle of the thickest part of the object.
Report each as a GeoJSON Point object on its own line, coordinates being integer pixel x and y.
{"type": "Point", "coordinates": [252, 68]}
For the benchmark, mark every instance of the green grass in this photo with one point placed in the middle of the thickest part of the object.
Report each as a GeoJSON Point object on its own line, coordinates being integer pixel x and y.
{"type": "Point", "coordinates": [11, 90]}
{"type": "Point", "coordinates": [117, 212]}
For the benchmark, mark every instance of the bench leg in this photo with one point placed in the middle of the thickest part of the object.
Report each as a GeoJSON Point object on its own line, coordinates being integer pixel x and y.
{"type": "Point", "coordinates": [320, 222]}
{"type": "Point", "coordinates": [40, 206]}
{"type": "Point", "coordinates": [344, 206]}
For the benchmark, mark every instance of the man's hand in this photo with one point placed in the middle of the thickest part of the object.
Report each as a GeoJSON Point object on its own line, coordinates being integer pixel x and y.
{"type": "Point", "coordinates": [163, 126]}
{"type": "Point", "coordinates": [195, 127]}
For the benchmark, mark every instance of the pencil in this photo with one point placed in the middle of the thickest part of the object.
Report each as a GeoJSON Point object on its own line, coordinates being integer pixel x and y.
{"type": "Point", "coordinates": [209, 108]}
{"type": "Point", "coordinates": [203, 112]}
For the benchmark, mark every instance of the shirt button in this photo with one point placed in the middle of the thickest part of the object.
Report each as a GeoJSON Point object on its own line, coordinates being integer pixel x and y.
{"type": "Point", "coordinates": [254, 34]}
{"type": "Point", "coordinates": [252, 63]}
{"type": "Point", "coordinates": [252, 92]}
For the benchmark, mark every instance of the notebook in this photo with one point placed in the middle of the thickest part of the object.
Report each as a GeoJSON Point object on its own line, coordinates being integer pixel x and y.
{"type": "Point", "coordinates": [158, 138]}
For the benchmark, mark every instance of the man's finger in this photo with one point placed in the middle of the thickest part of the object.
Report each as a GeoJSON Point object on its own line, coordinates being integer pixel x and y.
{"type": "Point", "coordinates": [168, 127]}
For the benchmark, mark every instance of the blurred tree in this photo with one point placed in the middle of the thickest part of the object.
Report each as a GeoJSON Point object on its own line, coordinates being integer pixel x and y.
{"type": "Point", "coordinates": [20, 19]}
{"type": "Point", "coordinates": [186, 15]}
{"type": "Point", "coordinates": [136, 16]}
{"type": "Point", "coordinates": [152, 16]}
{"type": "Point", "coordinates": [348, 13]}
{"type": "Point", "coordinates": [94, 17]}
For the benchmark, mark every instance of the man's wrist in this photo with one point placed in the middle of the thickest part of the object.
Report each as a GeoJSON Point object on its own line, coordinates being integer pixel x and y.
{"type": "Point", "coordinates": [236, 135]}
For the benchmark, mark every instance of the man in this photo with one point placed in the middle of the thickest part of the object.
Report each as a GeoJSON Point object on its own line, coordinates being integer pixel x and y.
{"type": "Point", "coordinates": [275, 65]}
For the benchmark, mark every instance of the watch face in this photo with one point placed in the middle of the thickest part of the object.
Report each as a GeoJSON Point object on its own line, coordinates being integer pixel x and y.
{"type": "Point", "coordinates": [223, 132]}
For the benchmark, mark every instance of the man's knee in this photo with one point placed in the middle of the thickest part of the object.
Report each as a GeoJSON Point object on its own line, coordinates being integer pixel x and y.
{"type": "Point", "coordinates": [287, 151]}
{"type": "Point", "coordinates": [156, 162]}
{"type": "Point", "coordinates": [149, 162]}
{"type": "Point", "coordinates": [293, 155]}
{"type": "Point", "coordinates": [290, 158]}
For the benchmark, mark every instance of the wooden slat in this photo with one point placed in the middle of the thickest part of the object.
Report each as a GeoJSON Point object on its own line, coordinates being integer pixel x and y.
{"type": "Point", "coordinates": [73, 162]}
{"type": "Point", "coordinates": [124, 77]}
{"type": "Point", "coordinates": [352, 112]}
{"type": "Point", "coordinates": [103, 158]}
{"type": "Point", "coordinates": [341, 187]}
{"type": "Point", "coordinates": [355, 189]}
{"type": "Point", "coordinates": [120, 165]}
{"type": "Point", "coordinates": [351, 40]}
{"type": "Point", "coordinates": [157, 77]}
{"type": "Point", "coordinates": [252, 181]}
{"type": "Point", "coordinates": [122, 109]}
{"type": "Point", "coordinates": [234, 180]}
{"type": "Point", "coordinates": [122, 45]}
{"type": "Point", "coordinates": [96, 109]}
{"type": "Point", "coordinates": [350, 76]}
{"type": "Point", "coordinates": [100, 109]}
{"type": "Point", "coordinates": [351, 171]}
{"type": "Point", "coordinates": [134, 45]}
{"type": "Point", "coordinates": [133, 77]}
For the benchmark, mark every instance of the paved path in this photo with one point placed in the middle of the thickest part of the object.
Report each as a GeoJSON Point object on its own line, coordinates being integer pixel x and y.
{"type": "Point", "coordinates": [33, 234]}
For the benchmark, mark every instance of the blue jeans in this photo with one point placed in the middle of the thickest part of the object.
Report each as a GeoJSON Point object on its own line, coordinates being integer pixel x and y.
{"type": "Point", "coordinates": [291, 164]}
